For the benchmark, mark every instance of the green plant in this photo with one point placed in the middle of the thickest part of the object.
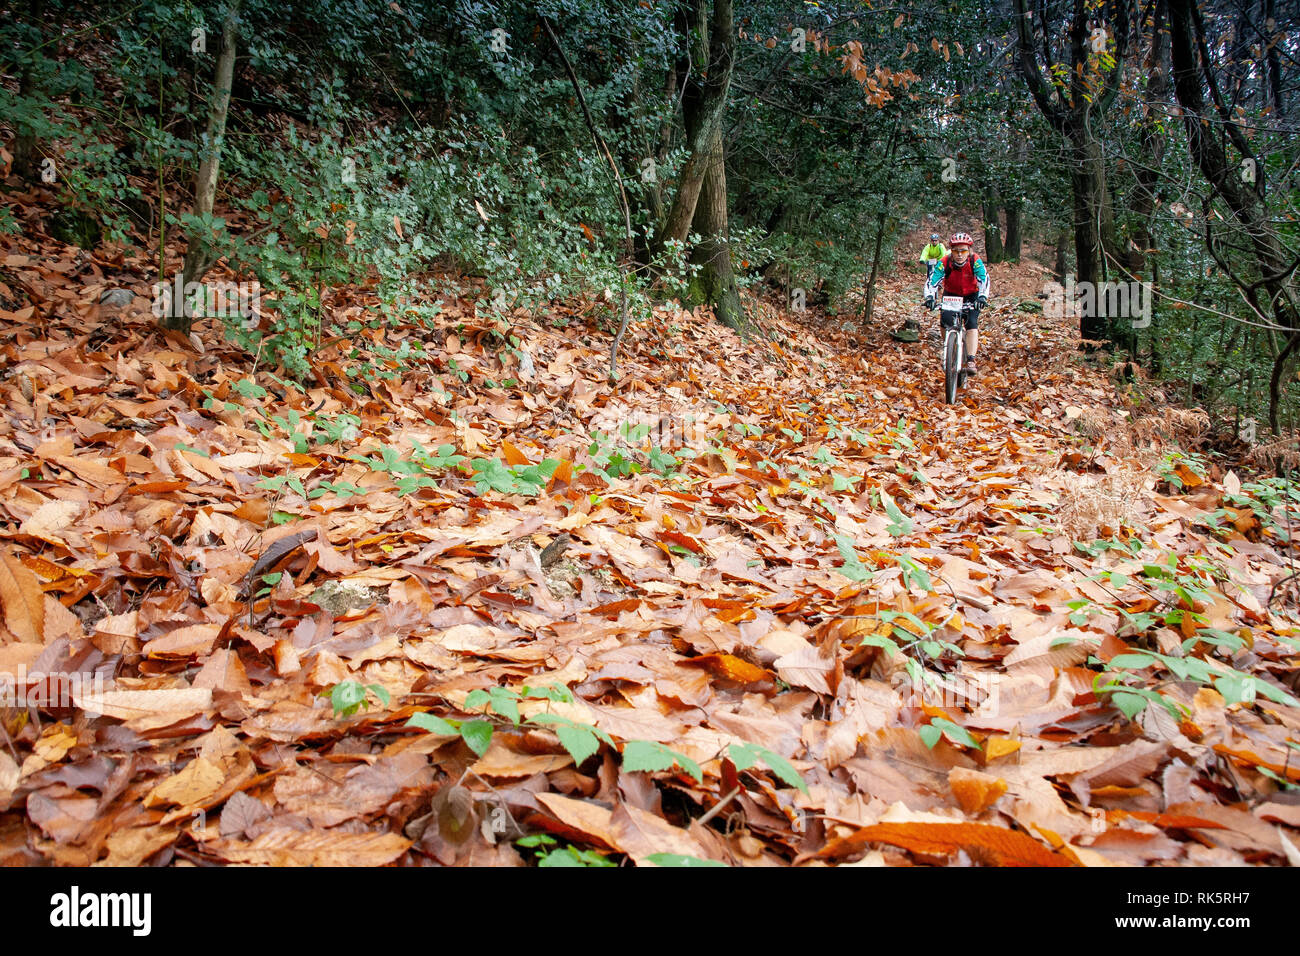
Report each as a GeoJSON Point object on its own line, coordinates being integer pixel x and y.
{"type": "Point", "coordinates": [347, 697]}
{"type": "Point", "coordinates": [1122, 674]}
{"type": "Point", "coordinates": [476, 733]}
{"type": "Point", "coordinates": [748, 755]}
{"type": "Point", "coordinates": [900, 524]}
{"type": "Point", "coordinates": [648, 755]}
{"type": "Point", "coordinates": [940, 727]}
{"type": "Point", "coordinates": [490, 474]}
{"type": "Point", "coordinates": [914, 575]}
{"type": "Point", "coordinates": [852, 568]}
{"type": "Point", "coordinates": [550, 853]}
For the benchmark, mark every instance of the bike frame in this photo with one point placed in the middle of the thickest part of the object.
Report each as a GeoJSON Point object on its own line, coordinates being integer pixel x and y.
{"type": "Point", "coordinates": [952, 315]}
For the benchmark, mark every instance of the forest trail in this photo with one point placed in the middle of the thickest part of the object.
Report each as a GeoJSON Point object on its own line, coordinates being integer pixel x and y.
{"type": "Point", "coordinates": [733, 636]}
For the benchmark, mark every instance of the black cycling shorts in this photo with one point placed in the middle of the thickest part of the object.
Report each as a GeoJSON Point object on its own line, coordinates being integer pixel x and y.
{"type": "Point", "coordinates": [973, 316]}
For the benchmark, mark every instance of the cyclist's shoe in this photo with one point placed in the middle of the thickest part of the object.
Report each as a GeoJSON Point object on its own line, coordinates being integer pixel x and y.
{"type": "Point", "coordinates": [970, 366]}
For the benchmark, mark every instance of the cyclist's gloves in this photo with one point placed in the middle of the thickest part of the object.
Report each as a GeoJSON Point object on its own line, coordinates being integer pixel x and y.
{"type": "Point", "coordinates": [929, 302]}
{"type": "Point", "coordinates": [982, 301]}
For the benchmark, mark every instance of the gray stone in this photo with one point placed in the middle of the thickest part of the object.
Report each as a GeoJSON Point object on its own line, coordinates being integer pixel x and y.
{"type": "Point", "coordinates": [117, 298]}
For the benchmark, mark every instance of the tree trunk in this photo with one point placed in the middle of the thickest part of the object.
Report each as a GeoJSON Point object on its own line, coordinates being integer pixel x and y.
{"type": "Point", "coordinates": [1074, 116]}
{"type": "Point", "coordinates": [1273, 59]}
{"type": "Point", "coordinates": [704, 100]}
{"type": "Point", "coordinates": [992, 231]}
{"type": "Point", "coordinates": [869, 293]}
{"type": "Point", "coordinates": [1011, 250]}
{"type": "Point", "coordinates": [24, 152]}
{"type": "Point", "coordinates": [716, 281]}
{"type": "Point", "coordinates": [701, 199]}
{"type": "Point", "coordinates": [201, 256]}
{"type": "Point", "coordinates": [1142, 200]}
{"type": "Point", "coordinates": [1062, 265]}
{"type": "Point", "coordinates": [869, 298]}
{"type": "Point", "coordinates": [1091, 221]}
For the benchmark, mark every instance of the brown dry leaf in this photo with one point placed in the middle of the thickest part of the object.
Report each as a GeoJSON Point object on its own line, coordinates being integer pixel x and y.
{"type": "Point", "coordinates": [730, 667]}
{"type": "Point", "coordinates": [240, 814]}
{"type": "Point", "coordinates": [330, 796]}
{"type": "Point", "coordinates": [51, 518]}
{"type": "Point", "coordinates": [174, 703]}
{"type": "Point", "coordinates": [24, 604]}
{"type": "Point", "coordinates": [975, 791]}
{"type": "Point", "coordinates": [55, 742]}
{"type": "Point", "coordinates": [9, 773]}
{"type": "Point", "coordinates": [132, 847]}
{"type": "Point", "coordinates": [501, 761]}
{"type": "Point", "coordinates": [194, 784]}
{"type": "Point", "coordinates": [807, 667]}
{"type": "Point", "coordinates": [995, 846]}
{"type": "Point", "coordinates": [641, 834]}
{"type": "Point", "coordinates": [582, 816]}
{"type": "Point", "coordinates": [197, 639]}
{"type": "Point", "coordinates": [1130, 764]}
{"type": "Point", "coordinates": [283, 847]}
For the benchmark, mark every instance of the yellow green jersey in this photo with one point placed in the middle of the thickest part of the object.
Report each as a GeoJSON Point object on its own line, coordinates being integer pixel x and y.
{"type": "Point", "coordinates": [933, 251]}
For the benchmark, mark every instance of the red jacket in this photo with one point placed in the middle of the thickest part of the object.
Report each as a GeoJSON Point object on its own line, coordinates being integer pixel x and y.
{"type": "Point", "coordinates": [960, 281]}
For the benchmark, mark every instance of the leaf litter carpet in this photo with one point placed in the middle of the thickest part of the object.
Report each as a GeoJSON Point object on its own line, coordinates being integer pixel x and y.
{"type": "Point", "coordinates": [806, 614]}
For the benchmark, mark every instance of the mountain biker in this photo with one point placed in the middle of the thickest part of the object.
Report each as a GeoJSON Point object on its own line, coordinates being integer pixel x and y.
{"type": "Point", "coordinates": [933, 252]}
{"type": "Point", "coordinates": [961, 273]}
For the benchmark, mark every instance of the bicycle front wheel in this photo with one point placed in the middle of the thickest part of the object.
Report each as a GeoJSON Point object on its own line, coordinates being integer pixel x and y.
{"type": "Point", "coordinates": [951, 365]}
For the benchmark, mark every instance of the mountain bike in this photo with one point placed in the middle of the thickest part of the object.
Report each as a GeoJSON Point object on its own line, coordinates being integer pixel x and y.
{"type": "Point", "coordinates": [952, 315]}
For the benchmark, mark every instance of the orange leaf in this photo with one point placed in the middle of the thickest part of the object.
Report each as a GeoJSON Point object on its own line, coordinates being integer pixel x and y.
{"type": "Point", "coordinates": [975, 791]}
{"type": "Point", "coordinates": [683, 540]}
{"type": "Point", "coordinates": [1190, 478]}
{"type": "Point", "coordinates": [730, 667]}
{"type": "Point", "coordinates": [513, 455]}
{"type": "Point", "coordinates": [1250, 759]}
{"type": "Point", "coordinates": [995, 845]}
{"type": "Point", "coordinates": [996, 747]}
{"type": "Point", "coordinates": [24, 604]}
{"type": "Point", "coordinates": [563, 475]}
{"type": "Point", "coordinates": [397, 226]}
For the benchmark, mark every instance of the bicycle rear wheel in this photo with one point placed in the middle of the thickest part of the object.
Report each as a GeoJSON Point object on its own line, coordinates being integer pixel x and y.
{"type": "Point", "coordinates": [951, 365]}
